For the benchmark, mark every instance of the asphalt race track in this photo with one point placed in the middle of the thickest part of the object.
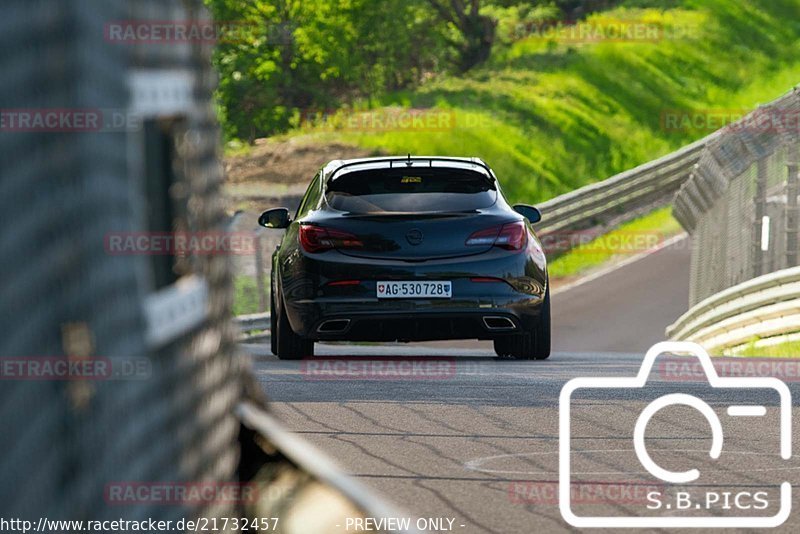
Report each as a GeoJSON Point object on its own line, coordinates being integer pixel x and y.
{"type": "Point", "coordinates": [478, 443]}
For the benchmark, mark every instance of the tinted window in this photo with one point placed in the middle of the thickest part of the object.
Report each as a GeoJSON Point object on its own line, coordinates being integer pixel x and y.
{"type": "Point", "coordinates": [411, 190]}
{"type": "Point", "coordinates": [311, 198]}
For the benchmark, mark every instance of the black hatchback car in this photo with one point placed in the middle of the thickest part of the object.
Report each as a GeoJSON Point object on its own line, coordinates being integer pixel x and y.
{"type": "Point", "coordinates": [408, 249]}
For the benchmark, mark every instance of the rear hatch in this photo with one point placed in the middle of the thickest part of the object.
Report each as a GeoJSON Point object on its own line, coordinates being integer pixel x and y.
{"type": "Point", "coordinates": [413, 214]}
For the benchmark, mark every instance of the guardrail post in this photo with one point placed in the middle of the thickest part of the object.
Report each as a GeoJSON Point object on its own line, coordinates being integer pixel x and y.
{"type": "Point", "coordinates": [260, 288]}
{"type": "Point", "coordinates": [760, 203]}
{"type": "Point", "coordinates": [791, 205]}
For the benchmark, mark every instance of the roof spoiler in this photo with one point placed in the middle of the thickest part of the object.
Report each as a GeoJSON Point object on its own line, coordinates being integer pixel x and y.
{"type": "Point", "coordinates": [400, 161]}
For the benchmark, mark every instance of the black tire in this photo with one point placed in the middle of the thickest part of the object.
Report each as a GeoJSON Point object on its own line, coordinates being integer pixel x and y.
{"type": "Point", "coordinates": [541, 345]}
{"type": "Point", "coordinates": [504, 346]}
{"type": "Point", "coordinates": [273, 324]}
{"type": "Point", "coordinates": [533, 344]}
{"type": "Point", "coordinates": [290, 345]}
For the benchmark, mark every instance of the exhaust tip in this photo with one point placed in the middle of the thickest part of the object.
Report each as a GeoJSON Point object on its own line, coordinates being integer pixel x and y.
{"type": "Point", "coordinates": [492, 322]}
{"type": "Point", "coordinates": [333, 326]}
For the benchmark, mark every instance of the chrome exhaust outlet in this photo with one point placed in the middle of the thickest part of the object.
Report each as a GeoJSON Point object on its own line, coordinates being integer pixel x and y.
{"type": "Point", "coordinates": [496, 322]}
{"type": "Point", "coordinates": [333, 326]}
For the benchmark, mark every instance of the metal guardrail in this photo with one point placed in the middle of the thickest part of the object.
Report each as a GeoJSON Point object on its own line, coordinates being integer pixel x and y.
{"type": "Point", "coordinates": [762, 308]}
{"type": "Point", "coordinates": [622, 195]}
{"type": "Point", "coordinates": [254, 322]}
{"type": "Point", "coordinates": [255, 327]}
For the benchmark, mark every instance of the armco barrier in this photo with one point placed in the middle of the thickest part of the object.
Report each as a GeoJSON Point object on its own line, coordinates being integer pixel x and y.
{"type": "Point", "coordinates": [253, 327]}
{"type": "Point", "coordinates": [762, 308]}
{"type": "Point", "coordinates": [620, 197]}
{"type": "Point", "coordinates": [254, 322]}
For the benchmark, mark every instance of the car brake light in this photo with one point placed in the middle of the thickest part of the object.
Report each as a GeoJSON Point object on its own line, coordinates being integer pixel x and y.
{"type": "Point", "coordinates": [319, 239]}
{"type": "Point", "coordinates": [339, 283]}
{"type": "Point", "coordinates": [511, 236]}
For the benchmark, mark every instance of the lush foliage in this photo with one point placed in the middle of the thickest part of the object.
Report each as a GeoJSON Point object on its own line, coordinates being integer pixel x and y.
{"type": "Point", "coordinates": [245, 295]}
{"type": "Point", "coordinates": [549, 115]}
{"type": "Point", "coordinates": [284, 59]}
{"type": "Point", "coordinates": [790, 349]}
{"type": "Point", "coordinates": [553, 116]}
{"type": "Point", "coordinates": [302, 56]}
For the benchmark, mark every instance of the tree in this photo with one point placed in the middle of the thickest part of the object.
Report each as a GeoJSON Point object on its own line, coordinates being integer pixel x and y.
{"type": "Point", "coordinates": [477, 32]}
{"type": "Point", "coordinates": [305, 57]}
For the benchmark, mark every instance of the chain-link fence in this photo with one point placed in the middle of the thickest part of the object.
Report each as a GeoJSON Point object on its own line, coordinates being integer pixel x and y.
{"type": "Point", "coordinates": [741, 202]}
{"type": "Point", "coordinates": [104, 137]}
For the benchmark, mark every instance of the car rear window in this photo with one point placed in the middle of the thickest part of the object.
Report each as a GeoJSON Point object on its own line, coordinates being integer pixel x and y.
{"type": "Point", "coordinates": [411, 191]}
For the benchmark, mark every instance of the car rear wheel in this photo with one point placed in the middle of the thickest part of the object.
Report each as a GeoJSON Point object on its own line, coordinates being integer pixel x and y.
{"type": "Point", "coordinates": [532, 344]}
{"type": "Point", "coordinates": [290, 345]}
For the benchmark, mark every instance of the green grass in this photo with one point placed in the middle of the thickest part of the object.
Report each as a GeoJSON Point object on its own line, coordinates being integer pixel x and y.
{"type": "Point", "coordinates": [553, 117]}
{"type": "Point", "coordinates": [236, 148]}
{"type": "Point", "coordinates": [651, 229]}
{"type": "Point", "coordinates": [245, 295]}
{"type": "Point", "coordinates": [784, 350]}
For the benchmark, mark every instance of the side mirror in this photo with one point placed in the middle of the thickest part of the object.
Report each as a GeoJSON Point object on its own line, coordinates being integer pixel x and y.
{"type": "Point", "coordinates": [529, 212]}
{"type": "Point", "coordinates": [275, 218]}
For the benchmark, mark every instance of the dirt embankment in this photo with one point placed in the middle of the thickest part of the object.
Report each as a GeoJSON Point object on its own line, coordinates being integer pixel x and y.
{"type": "Point", "coordinates": [281, 168]}
{"type": "Point", "coordinates": [274, 173]}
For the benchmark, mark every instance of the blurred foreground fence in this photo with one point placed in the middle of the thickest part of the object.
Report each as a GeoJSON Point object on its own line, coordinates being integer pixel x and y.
{"type": "Point", "coordinates": [123, 395]}
{"type": "Point", "coordinates": [740, 205]}
{"type": "Point", "coordinates": [159, 407]}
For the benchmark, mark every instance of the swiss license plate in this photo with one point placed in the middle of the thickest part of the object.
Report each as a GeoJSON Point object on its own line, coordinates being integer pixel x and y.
{"type": "Point", "coordinates": [415, 290]}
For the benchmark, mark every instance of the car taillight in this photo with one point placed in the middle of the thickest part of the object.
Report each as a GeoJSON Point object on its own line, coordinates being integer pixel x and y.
{"type": "Point", "coordinates": [319, 239]}
{"type": "Point", "coordinates": [341, 283]}
{"type": "Point", "coordinates": [483, 238]}
{"type": "Point", "coordinates": [511, 236]}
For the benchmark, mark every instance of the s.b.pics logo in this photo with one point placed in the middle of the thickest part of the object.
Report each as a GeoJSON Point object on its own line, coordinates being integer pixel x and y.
{"type": "Point", "coordinates": [715, 451]}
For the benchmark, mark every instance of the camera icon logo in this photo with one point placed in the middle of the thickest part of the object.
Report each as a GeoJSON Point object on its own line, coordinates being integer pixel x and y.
{"type": "Point", "coordinates": [640, 448]}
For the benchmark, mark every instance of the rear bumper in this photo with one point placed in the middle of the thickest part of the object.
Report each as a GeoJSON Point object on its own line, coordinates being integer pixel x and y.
{"type": "Point", "coordinates": [515, 292]}
{"type": "Point", "coordinates": [487, 317]}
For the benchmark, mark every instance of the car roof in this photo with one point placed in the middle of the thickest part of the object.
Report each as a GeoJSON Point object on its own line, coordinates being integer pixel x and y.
{"type": "Point", "coordinates": [339, 166]}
